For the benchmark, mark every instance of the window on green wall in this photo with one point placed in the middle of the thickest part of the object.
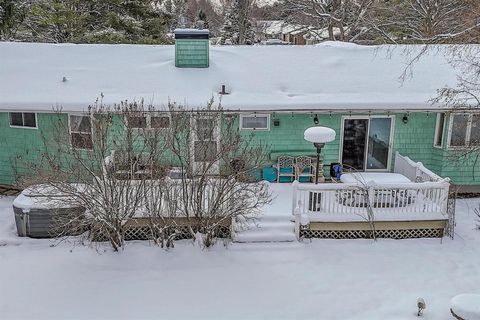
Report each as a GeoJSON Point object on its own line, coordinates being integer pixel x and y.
{"type": "Point", "coordinates": [23, 119]}
{"type": "Point", "coordinates": [159, 122]}
{"type": "Point", "coordinates": [139, 122]}
{"type": "Point", "coordinates": [475, 130]}
{"type": "Point", "coordinates": [81, 132]}
{"type": "Point", "coordinates": [464, 130]}
{"type": "Point", "coordinates": [439, 130]}
{"type": "Point", "coordinates": [148, 121]}
{"type": "Point", "coordinates": [255, 122]}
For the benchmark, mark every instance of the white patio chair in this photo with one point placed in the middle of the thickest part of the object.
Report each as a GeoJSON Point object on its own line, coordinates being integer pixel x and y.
{"type": "Point", "coordinates": [285, 168]}
{"type": "Point", "coordinates": [304, 168]}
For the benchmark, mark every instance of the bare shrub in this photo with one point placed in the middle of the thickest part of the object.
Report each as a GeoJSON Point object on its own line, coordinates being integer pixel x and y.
{"type": "Point", "coordinates": [117, 164]}
{"type": "Point", "coordinates": [219, 163]}
{"type": "Point", "coordinates": [98, 162]}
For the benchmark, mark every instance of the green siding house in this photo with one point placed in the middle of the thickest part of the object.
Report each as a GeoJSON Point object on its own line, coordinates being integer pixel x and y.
{"type": "Point", "coordinates": [275, 92]}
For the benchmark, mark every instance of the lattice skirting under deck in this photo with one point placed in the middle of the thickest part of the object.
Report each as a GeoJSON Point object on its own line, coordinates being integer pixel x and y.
{"type": "Point", "coordinates": [368, 234]}
{"type": "Point", "coordinates": [178, 233]}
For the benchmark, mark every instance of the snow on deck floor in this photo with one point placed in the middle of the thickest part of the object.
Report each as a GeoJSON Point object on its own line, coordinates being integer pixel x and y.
{"type": "Point", "coordinates": [322, 279]}
{"type": "Point", "coordinates": [281, 204]}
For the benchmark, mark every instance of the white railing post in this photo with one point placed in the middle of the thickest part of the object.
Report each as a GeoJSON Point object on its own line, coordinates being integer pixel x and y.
{"type": "Point", "coordinates": [445, 191]}
{"type": "Point", "coordinates": [371, 196]}
{"type": "Point", "coordinates": [296, 213]}
{"type": "Point", "coordinates": [294, 198]}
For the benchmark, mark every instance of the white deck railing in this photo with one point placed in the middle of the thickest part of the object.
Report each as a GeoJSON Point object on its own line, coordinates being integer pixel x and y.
{"type": "Point", "coordinates": [427, 193]}
{"type": "Point", "coordinates": [415, 171]}
{"type": "Point", "coordinates": [353, 198]}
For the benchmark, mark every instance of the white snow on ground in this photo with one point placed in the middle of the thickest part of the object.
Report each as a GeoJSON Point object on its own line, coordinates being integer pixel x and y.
{"type": "Point", "coordinates": [322, 279]}
{"type": "Point", "coordinates": [330, 75]}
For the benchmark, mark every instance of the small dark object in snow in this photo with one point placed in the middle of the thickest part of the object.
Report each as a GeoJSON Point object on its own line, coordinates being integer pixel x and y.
{"type": "Point", "coordinates": [64, 79]}
{"type": "Point", "coordinates": [421, 305]}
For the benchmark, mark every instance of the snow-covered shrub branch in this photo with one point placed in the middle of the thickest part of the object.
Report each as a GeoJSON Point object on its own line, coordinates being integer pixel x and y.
{"type": "Point", "coordinates": [116, 163]}
{"type": "Point", "coordinates": [219, 163]}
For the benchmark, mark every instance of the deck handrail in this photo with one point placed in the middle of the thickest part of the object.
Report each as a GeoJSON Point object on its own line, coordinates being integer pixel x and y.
{"type": "Point", "coordinates": [354, 198]}
{"type": "Point", "coordinates": [426, 194]}
{"type": "Point", "coordinates": [341, 186]}
{"type": "Point", "coordinates": [414, 170]}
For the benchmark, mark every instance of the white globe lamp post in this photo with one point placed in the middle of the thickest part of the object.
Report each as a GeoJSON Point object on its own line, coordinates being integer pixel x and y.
{"type": "Point", "coordinates": [319, 136]}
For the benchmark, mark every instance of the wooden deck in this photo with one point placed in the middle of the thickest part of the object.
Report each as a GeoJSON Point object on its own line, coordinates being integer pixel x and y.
{"type": "Point", "coordinates": [377, 229]}
{"type": "Point", "coordinates": [370, 207]}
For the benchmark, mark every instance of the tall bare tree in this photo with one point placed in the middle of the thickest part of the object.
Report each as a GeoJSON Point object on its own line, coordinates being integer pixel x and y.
{"type": "Point", "coordinates": [344, 20]}
{"type": "Point", "coordinates": [238, 27]}
{"type": "Point", "coordinates": [428, 21]}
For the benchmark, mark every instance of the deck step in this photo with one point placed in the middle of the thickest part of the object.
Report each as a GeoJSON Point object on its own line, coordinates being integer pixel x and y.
{"type": "Point", "coordinates": [265, 226]}
{"type": "Point", "coordinates": [266, 229]}
{"type": "Point", "coordinates": [262, 236]}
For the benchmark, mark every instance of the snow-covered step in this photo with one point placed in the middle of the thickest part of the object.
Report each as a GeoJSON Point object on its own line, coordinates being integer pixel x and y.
{"type": "Point", "coordinates": [263, 236]}
{"type": "Point", "coordinates": [265, 226]}
{"type": "Point", "coordinates": [276, 218]}
{"type": "Point", "coordinates": [266, 229]}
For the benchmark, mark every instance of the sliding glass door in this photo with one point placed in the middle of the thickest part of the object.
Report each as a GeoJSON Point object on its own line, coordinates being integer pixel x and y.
{"type": "Point", "coordinates": [354, 142]}
{"type": "Point", "coordinates": [366, 143]}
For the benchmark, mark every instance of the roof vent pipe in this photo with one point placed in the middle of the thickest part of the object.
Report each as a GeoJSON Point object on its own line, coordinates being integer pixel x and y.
{"type": "Point", "coordinates": [223, 89]}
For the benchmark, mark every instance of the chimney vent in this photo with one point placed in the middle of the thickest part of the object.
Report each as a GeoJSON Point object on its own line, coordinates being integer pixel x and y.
{"type": "Point", "coordinates": [192, 48]}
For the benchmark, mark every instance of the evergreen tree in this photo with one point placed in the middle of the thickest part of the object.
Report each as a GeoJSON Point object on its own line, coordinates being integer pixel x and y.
{"type": "Point", "coordinates": [55, 21]}
{"type": "Point", "coordinates": [237, 27]}
{"type": "Point", "coordinates": [175, 11]}
{"type": "Point", "coordinates": [93, 21]}
{"type": "Point", "coordinates": [12, 14]}
{"type": "Point", "coordinates": [203, 10]}
{"type": "Point", "coordinates": [202, 16]}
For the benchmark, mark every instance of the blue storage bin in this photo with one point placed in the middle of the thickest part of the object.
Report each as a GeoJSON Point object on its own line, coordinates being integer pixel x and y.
{"type": "Point", "coordinates": [269, 174]}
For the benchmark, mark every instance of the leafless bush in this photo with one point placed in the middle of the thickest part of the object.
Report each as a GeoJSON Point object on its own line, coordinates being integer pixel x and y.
{"type": "Point", "coordinates": [115, 163]}
{"type": "Point", "coordinates": [219, 164]}
{"type": "Point", "coordinates": [97, 161]}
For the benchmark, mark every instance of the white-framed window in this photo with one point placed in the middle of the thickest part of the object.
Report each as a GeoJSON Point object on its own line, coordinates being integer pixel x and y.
{"type": "Point", "coordinates": [205, 142]}
{"type": "Point", "coordinates": [23, 120]}
{"type": "Point", "coordinates": [439, 129]}
{"type": "Point", "coordinates": [255, 122]}
{"type": "Point", "coordinates": [464, 130]}
{"type": "Point", "coordinates": [148, 121]}
{"type": "Point", "coordinates": [80, 132]}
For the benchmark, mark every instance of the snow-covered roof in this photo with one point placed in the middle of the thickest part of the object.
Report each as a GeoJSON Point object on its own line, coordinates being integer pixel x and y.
{"type": "Point", "coordinates": [326, 76]}
{"type": "Point", "coordinates": [190, 30]}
